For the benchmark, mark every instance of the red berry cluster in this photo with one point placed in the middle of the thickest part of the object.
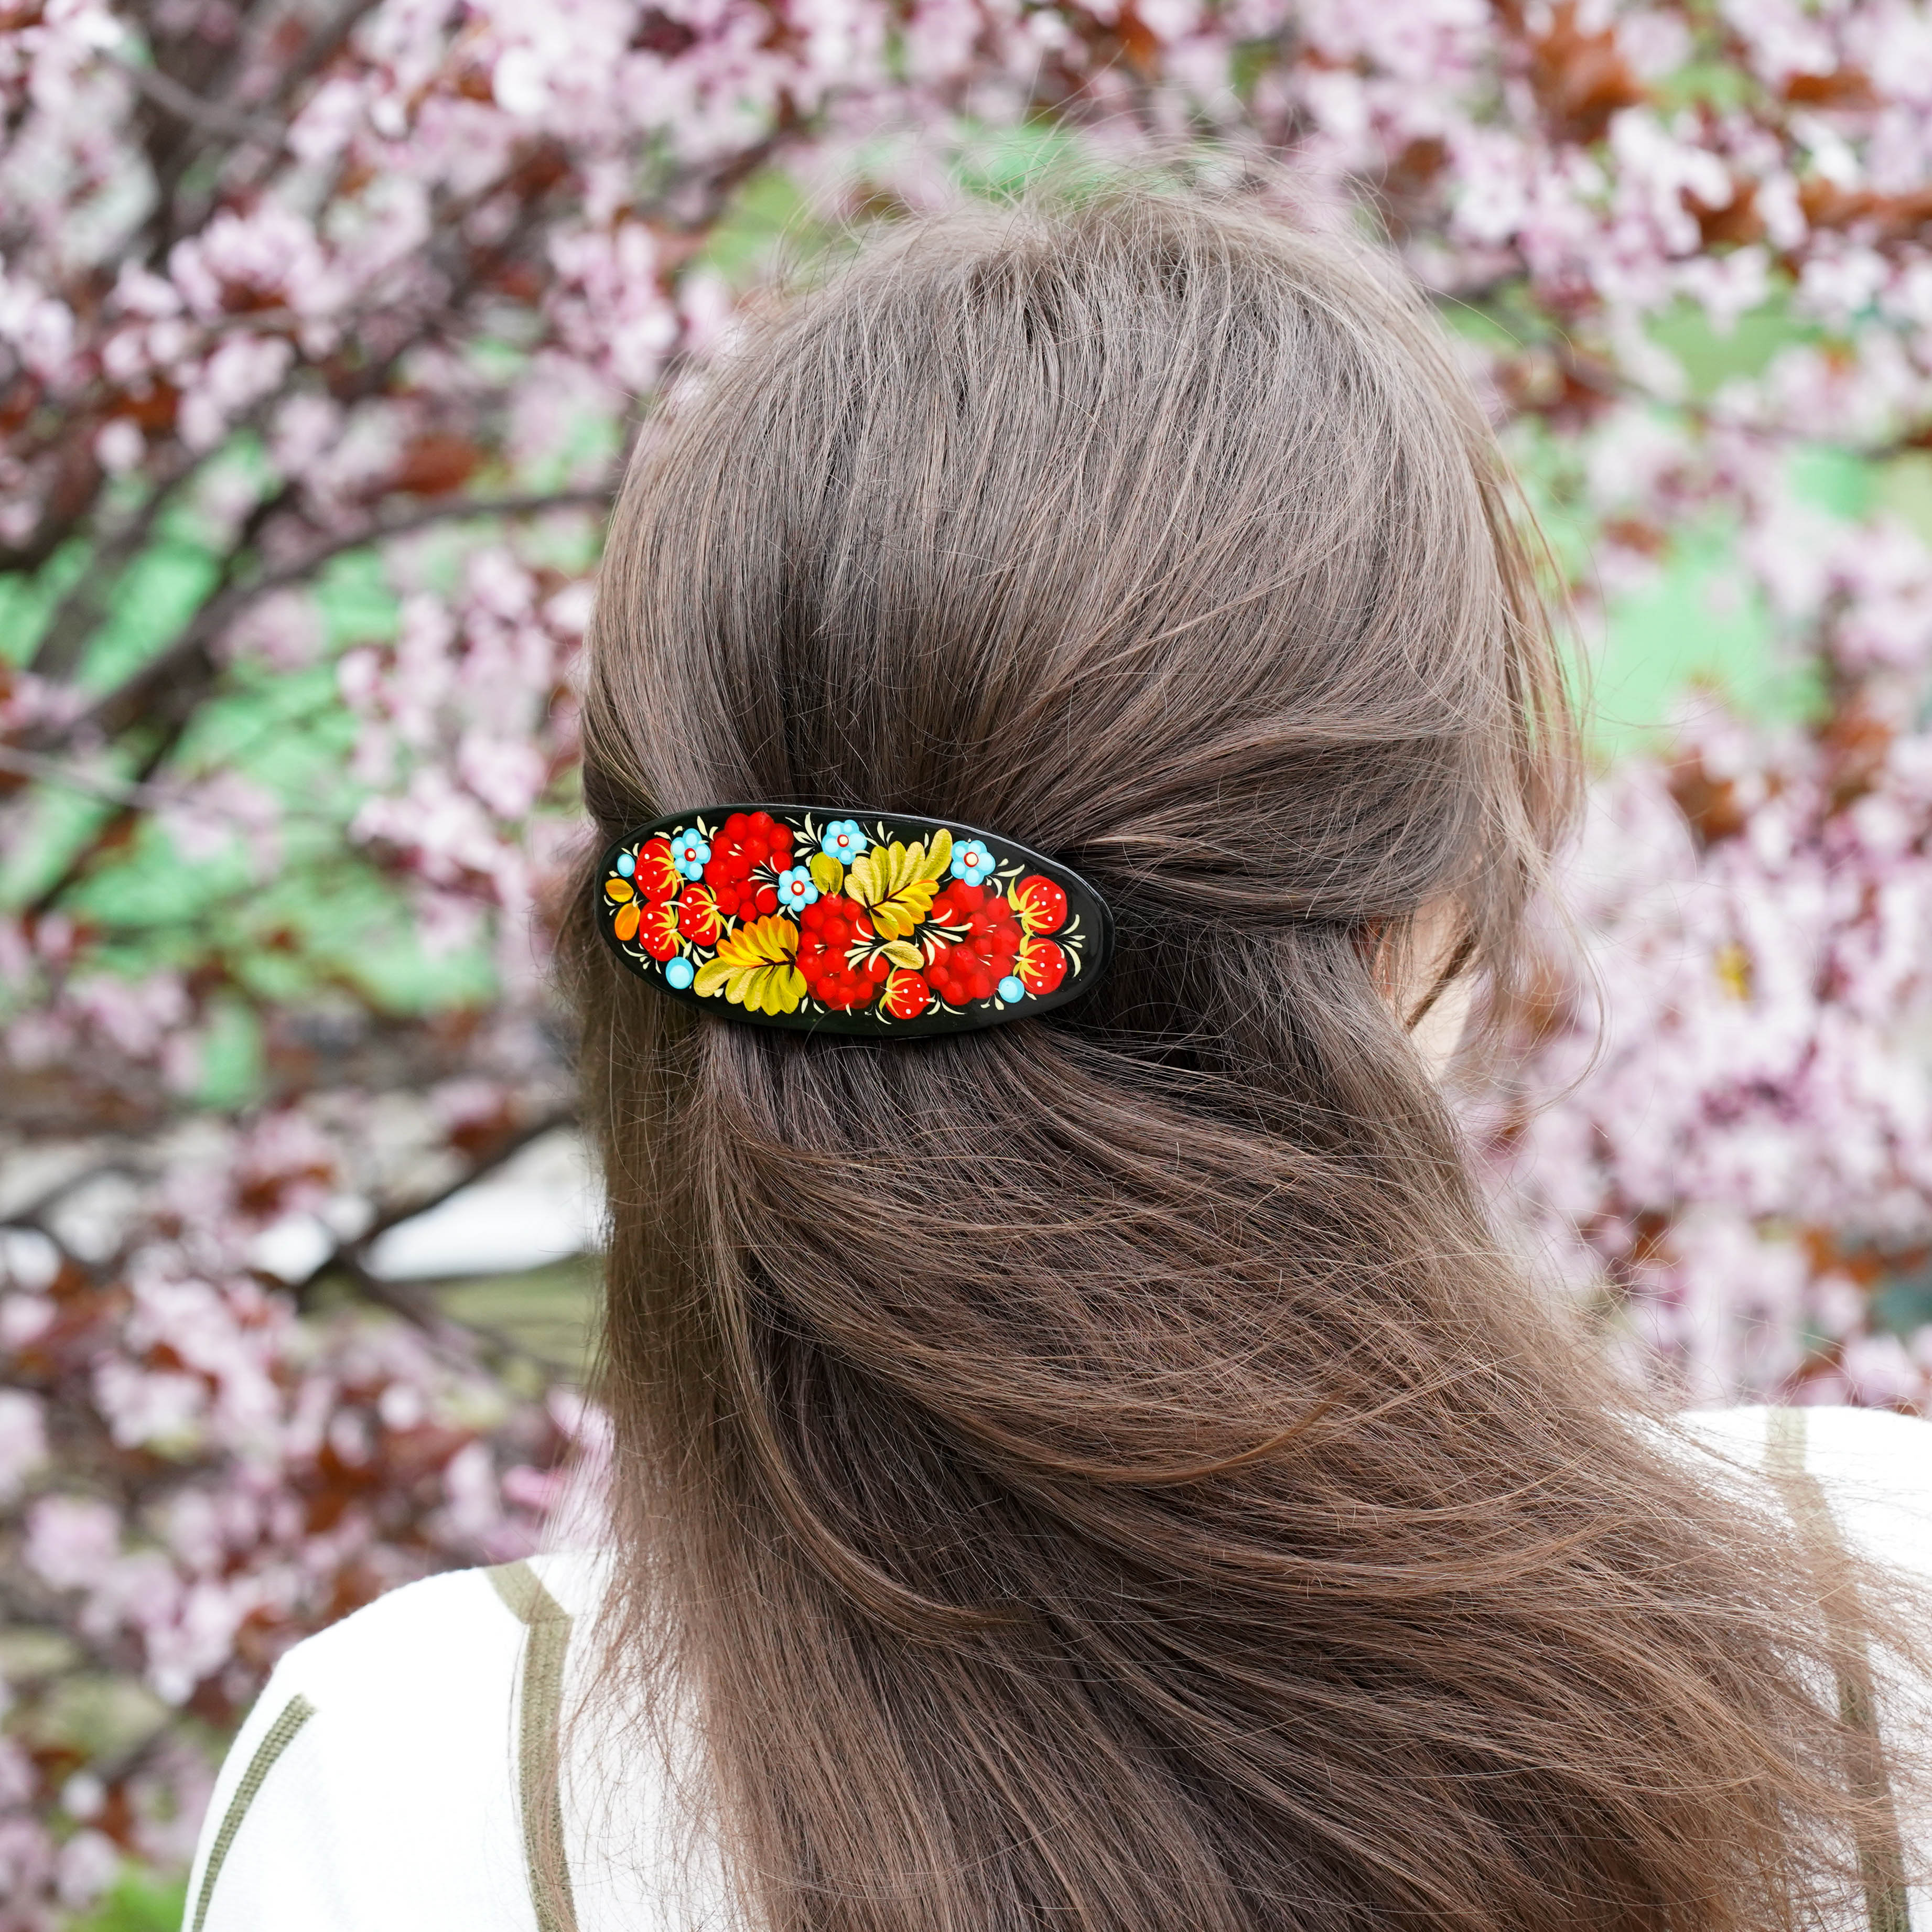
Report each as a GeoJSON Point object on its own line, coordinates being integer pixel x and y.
{"type": "Point", "coordinates": [829, 930]}
{"type": "Point", "coordinates": [748, 853]}
{"type": "Point", "coordinates": [982, 943]}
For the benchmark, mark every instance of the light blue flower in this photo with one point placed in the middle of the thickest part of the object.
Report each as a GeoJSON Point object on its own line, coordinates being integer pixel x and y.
{"type": "Point", "coordinates": [796, 890]}
{"type": "Point", "coordinates": [972, 862]}
{"type": "Point", "coordinates": [1012, 989]}
{"type": "Point", "coordinates": [680, 973]}
{"type": "Point", "coordinates": [690, 854]}
{"type": "Point", "coordinates": [842, 840]}
{"type": "Point", "coordinates": [627, 863]}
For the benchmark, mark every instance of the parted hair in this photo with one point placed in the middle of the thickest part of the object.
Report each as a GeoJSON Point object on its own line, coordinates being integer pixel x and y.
{"type": "Point", "coordinates": [1105, 1471]}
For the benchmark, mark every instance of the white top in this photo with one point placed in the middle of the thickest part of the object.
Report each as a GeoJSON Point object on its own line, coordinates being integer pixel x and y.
{"type": "Point", "coordinates": [377, 1784]}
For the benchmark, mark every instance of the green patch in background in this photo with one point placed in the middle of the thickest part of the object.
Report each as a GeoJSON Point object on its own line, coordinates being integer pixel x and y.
{"type": "Point", "coordinates": [535, 1327]}
{"type": "Point", "coordinates": [550, 1311]}
{"type": "Point", "coordinates": [137, 1902]}
{"type": "Point", "coordinates": [769, 216]}
{"type": "Point", "coordinates": [1698, 625]}
{"type": "Point", "coordinates": [1902, 487]}
{"type": "Point", "coordinates": [1710, 356]}
{"type": "Point", "coordinates": [1693, 626]}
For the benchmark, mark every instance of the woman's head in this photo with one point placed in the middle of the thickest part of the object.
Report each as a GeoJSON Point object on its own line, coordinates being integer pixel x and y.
{"type": "Point", "coordinates": [1101, 1471]}
{"type": "Point", "coordinates": [1171, 542]}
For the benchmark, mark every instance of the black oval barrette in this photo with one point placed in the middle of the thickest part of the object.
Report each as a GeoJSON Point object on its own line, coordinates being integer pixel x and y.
{"type": "Point", "coordinates": [858, 922]}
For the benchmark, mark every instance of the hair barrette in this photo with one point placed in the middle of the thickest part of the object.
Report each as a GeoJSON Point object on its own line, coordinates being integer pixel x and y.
{"type": "Point", "coordinates": [864, 924]}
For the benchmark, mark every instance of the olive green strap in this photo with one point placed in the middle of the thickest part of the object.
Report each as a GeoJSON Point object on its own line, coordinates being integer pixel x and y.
{"type": "Point", "coordinates": [1881, 1855]}
{"type": "Point", "coordinates": [539, 1721]}
{"type": "Point", "coordinates": [296, 1713]}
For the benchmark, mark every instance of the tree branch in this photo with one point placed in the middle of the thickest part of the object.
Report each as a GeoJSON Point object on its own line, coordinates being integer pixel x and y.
{"type": "Point", "coordinates": [351, 1254]}
{"type": "Point", "coordinates": [51, 771]}
{"type": "Point", "coordinates": [130, 701]}
{"type": "Point", "coordinates": [421, 1310]}
{"type": "Point", "coordinates": [206, 116]}
{"type": "Point", "coordinates": [328, 40]}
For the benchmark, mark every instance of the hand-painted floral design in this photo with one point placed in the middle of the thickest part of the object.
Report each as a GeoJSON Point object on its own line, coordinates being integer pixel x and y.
{"type": "Point", "coordinates": [888, 926]}
{"type": "Point", "coordinates": [1040, 904]}
{"type": "Point", "coordinates": [841, 954]}
{"type": "Point", "coordinates": [754, 966]}
{"type": "Point", "coordinates": [978, 941]}
{"type": "Point", "coordinates": [657, 930]}
{"type": "Point", "coordinates": [972, 862]}
{"type": "Point", "coordinates": [699, 919]}
{"type": "Point", "coordinates": [795, 889]}
{"type": "Point", "coordinates": [907, 994]}
{"type": "Point", "coordinates": [690, 854]}
{"type": "Point", "coordinates": [843, 840]}
{"type": "Point", "coordinates": [1042, 964]}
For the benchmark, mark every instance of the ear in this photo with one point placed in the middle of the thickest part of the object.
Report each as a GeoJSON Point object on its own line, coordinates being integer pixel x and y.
{"type": "Point", "coordinates": [1453, 969]}
{"type": "Point", "coordinates": [1425, 979]}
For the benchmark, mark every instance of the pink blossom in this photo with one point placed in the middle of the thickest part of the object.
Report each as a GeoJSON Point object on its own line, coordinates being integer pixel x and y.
{"type": "Point", "coordinates": [23, 1440]}
{"type": "Point", "coordinates": [71, 1540]}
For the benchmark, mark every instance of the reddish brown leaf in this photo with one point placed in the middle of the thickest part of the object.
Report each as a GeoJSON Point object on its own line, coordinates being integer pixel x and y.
{"type": "Point", "coordinates": [436, 465]}
{"type": "Point", "coordinates": [1581, 79]}
{"type": "Point", "coordinates": [1710, 805]}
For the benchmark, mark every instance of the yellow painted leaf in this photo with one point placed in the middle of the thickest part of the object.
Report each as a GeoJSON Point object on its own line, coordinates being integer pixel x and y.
{"type": "Point", "coordinates": [617, 888]}
{"type": "Point", "coordinates": [902, 953]}
{"type": "Point", "coordinates": [897, 883]}
{"type": "Point", "coordinates": [753, 967]}
{"type": "Point", "coordinates": [827, 874]}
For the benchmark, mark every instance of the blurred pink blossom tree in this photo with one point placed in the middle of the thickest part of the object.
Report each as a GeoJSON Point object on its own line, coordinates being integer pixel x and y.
{"type": "Point", "coordinates": [325, 329]}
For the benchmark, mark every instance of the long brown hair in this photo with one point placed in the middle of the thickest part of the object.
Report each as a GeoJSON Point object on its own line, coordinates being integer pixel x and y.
{"type": "Point", "coordinates": [1104, 1471]}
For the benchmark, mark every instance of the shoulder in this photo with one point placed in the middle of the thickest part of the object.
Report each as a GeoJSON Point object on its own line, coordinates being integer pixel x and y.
{"type": "Point", "coordinates": [410, 1640]}
{"type": "Point", "coordinates": [1831, 1435]}
{"type": "Point", "coordinates": [1872, 1468]}
{"type": "Point", "coordinates": [422, 1640]}
{"type": "Point", "coordinates": [1870, 1446]}
{"type": "Point", "coordinates": [374, 1783]}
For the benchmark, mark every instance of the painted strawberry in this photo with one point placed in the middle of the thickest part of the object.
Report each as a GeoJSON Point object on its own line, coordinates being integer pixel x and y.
{"type": "Point", "coordinates": [698, 917]}
{"type": "Point", "coordinates": [657, 877]}
{"type": "Point", "coordinates": [1040, 905]}
{"type": "Point", "coordinates": [1042, 964]}
{"type": "Point", "coordinates": [657, 928]}
{"type": "Point", "coordinates": [907, 995]}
